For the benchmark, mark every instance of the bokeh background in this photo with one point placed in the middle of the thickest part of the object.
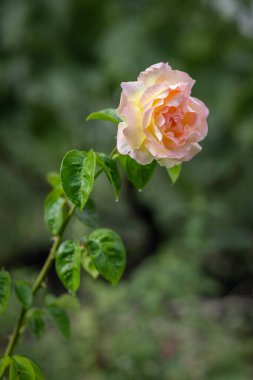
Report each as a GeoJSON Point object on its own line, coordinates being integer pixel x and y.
{"type": "Point", "coordinates": [184, 308]}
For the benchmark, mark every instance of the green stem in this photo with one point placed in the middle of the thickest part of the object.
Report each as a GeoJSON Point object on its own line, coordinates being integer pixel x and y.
{"type": "Point", "coordinates": [15, 334]}
{"type": "Point", "coordinates": [18, 330]}
{"type": "Point", "coordinates": [37, 284]}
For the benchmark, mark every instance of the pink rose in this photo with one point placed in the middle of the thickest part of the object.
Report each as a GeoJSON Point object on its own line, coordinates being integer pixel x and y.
{"type": "Point", "coordinates": [161, 120]}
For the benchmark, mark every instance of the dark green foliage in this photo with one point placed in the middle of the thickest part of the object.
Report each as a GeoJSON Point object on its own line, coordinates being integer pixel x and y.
{"type": "Point", "coordinates": [77, 176]}
{"type": "Point", "coordinates": [22, 368]}
{"type": "Point", "coordinates": [36, 322]}
{"type": "Point", "coordinates": [139, 175]}
{"type": "Point", "coordinates": [110, 167]}
{"type": "Point", "coordinates": [37, 371]}
{"type": "Point", "coordinates": [88, 264]}
{"type": "Point", "coordinates": [24, 293]}
{"type": "Point", "coordinates": [55, 211]}
{"type": "Point", "coordinates": [167, 314]}
{"type": "Point", "coordinates": [60, 318]}
{"type": "Point", "coordinates": [108, 254]}
{"type": "Point", "coordinates": [68, 263]}
{"type": "Point", "coordinates": [89, 215]}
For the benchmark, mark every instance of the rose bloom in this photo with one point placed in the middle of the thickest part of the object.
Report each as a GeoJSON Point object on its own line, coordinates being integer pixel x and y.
{"type": "Point", "coordinates": [160, 120]}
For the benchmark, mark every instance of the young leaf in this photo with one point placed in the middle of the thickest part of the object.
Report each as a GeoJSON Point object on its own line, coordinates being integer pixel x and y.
{"type": "Point", "coordinates": [110, 167]}
{"type": "Point", "coordinates": [4, 363]}
{"type": "Point", "coordinates": [89, 215]}
{"type": "Point", "coordinates": [54, 179]}
{"type": "Point", "coordinates": [68, 263]}
{"type": "Point", "coordinates": [67, 302]}
{"type": "Point", "coordinates": [24, 293]}
{"type": "Point", "coordinates": [21, 369]}
{"type": "Point", "coordinates": [55, 211]}
{"type": "Point", "coordinates": [139, 175]}
{"type": "Point", "coordinates": [36, 322]}
{"type": "Point", "coordinates": [108, 114]}
{"type": "Point", "coordinates": [77, 176]}
{"type": "Point", "coordinates": [174, 173]}
{"type": "Point", "coordinates": [88, 265]}
{"type": "Point", "coordinates": [121, 159]}
{"type": "Point", "coordinates": [60, 319]}
{"type": "Point", "coordinates": [108, 254]}
{"type": "Point", "coordinates": [5, 285]}
{"type": "Point", "coordinates": [37, 370]}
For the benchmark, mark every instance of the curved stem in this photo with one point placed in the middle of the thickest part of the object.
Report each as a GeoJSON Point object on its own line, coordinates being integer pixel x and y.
{"type": "Point", "coordinates": [38, 282]}
{"type": "Point", "coordinates": [18, 330]}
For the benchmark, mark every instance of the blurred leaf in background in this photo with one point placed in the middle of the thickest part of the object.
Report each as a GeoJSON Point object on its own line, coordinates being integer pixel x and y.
{"type": "Point", "coordinates": [164, 322]}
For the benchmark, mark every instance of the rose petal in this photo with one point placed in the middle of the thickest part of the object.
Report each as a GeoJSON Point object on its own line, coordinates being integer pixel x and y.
{"type": "Point", "coordinates": [160, 118]}
{"type": "Point", "coordinates": [142, 156]}
{"type": "Point", "coordinates": [154, 73]}
{"type": "Point", "coordinates": [122, 143]}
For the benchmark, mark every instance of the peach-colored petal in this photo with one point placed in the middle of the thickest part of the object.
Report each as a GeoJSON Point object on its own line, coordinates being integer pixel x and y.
{"type": "Point", "coordinates": [194, 149]}
{"type": "Point", "coordinates": [134, 137]}
{"type": "Point", "coordinates": [134, 131]}
{"type": "Point", "coordinates": [176, 77]}
{"type": "Point", "coordinates": [133, 90]}
{"type": "Point", "coordinates": [122, 105]}
{"type": "Point", "coordinates": [122, 144]}
{"type": "Point", "coordinates": [160, 119]}
{"type": "Point", "coordinates": [157, 91]}
{"type": "Point", "coordinates": [153, 73]}
{"type": "Point", "coordinates": [142, 156]}
{"type": "Point", "coordinates": [199, 107]}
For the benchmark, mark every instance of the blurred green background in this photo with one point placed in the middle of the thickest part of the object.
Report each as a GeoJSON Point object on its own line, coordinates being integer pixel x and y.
{"type": "Point", "coordinates": [184, 309]}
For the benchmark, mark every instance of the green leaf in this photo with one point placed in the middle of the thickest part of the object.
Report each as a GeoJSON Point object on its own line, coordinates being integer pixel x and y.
{"type": "Point", "coordinates": [36, 322]}
{"type": "Point", "coordinates": [68, 263]}
{"type": "Point", "coordinates": [5, 286]}
{"type": "Point", "coordinates": [37, 370]}
{"type": "Point", "coordinates": [108, 114]}
{"type": "Point", "coordinates": [67, 302]}
{"type": "Point", "coordinates": [54, 179]}
{"type": "Point", "coordinates": [174, 173]}
{"type": "Point", "coordinates": [60, 319]}
{"type": "Point", "coordinates": [110, 167]}
{"type": "Point", "coordinates": [108, 254]}
{"type": "Point", "coordinates": [139, 175]}
{"type": "Point", "coordinates": [55, 211]}
{"type": "Point", "coordinates": [4, 363]}
{"type": "Point", "coordinates": [21, 369]}
{"type": "Point", "coordinates": [24, 293]}
{"type": "Point", "coordinates": [77, 176]}
{"type": "Point", "coordinates": [88, 265]}
{"type": "Point", "coordinates": [122, 159]}
{"type": "Point", "coordinates": [89, 215]}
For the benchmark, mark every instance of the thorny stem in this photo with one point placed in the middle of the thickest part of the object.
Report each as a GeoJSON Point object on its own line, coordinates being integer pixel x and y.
{"type": "Point", "coordinates": [18, 329]}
